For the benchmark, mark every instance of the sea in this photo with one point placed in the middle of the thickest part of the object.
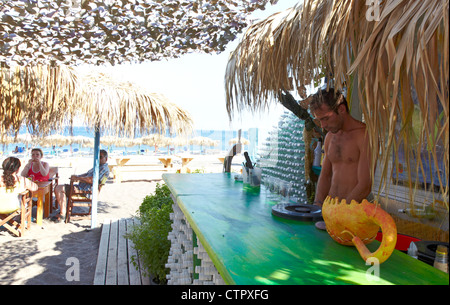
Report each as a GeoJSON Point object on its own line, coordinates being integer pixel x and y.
{"type": "Point", "coordinates": [222, 136]}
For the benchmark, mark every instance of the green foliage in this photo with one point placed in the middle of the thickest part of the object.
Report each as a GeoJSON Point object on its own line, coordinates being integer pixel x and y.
{"type": "Point", "coordinates": [198, 171]}
{"type": "Point", "coordinates": [150, 237]}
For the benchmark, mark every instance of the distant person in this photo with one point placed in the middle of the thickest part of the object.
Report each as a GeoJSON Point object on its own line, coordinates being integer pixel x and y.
{"type": "Point", "coordinates": [16, 150]}
{"type": "Point", "coordinates": [11, 185]}
{"type": "Point", "coordinates": [36, 169]}
{"type": "Point", "coordinates": [85, 184]}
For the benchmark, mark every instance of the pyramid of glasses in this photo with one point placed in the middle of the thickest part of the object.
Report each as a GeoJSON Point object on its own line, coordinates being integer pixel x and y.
{"type": "Point", "coordinates": [282, 155]}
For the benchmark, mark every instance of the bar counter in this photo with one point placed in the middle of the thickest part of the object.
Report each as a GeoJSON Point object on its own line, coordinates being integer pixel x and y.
{"type": "Point", "coordinates": [250, 246]}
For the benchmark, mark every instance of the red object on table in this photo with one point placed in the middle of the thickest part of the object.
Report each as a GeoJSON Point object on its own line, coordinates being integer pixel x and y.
{"type": "Point", "coordinates": [403, 241]}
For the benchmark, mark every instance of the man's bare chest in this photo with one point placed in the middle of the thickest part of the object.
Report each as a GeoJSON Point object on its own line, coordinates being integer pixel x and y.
{"type": "Point", "coordinates": [343, 149]}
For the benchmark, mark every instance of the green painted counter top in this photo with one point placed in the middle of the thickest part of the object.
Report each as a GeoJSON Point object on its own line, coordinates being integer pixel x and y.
{"type": "Point", "coordinates": [250, 246]}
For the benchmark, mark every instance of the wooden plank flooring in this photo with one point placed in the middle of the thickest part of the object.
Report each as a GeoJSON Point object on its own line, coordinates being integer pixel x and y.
{"type": "Point", "coordinates": [114, 261]}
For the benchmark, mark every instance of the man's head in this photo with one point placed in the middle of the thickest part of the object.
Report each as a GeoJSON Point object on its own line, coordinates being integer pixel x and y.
{"type": "Point", "coordinates": [330, 109]}
{"type": "Point", "coordinates": [103, 156]}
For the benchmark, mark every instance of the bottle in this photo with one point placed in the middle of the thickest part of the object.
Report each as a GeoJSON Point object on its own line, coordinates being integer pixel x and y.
{"type": "Point", "coordinates": [426, 212]}
{"type": "Point", "coordinates": [412, 250]}
{"type": "Point", "coordinates": [317, 154]}
{"type": "Point", "coordinates": [441, 258]}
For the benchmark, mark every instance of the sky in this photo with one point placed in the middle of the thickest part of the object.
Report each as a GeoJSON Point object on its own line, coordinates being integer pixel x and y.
{"type": "Point", "coordinates": [195, 82]}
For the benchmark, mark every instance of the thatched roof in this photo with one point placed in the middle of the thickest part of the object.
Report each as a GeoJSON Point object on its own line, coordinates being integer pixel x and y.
{"type": "Point", "coordinates": [125, 109]}
{"type": "Point", "coordinates": [40, 97]}
{"type": "Point", "coordinates": [203, 141]}
{"type": "Point", "coordinates": [384, 63]}
{"type": "Point", "coordinates": [45, 99]}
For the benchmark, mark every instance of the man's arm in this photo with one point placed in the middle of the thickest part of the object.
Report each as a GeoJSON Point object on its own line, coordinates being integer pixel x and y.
{"type": "Point", "coordinates": [324, 182]}
{"type": "Point", "coordinates": [87, 180]}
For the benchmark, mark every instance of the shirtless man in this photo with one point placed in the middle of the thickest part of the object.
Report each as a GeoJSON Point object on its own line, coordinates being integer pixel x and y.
{"type": "Point", "coordinates": [345, 168]}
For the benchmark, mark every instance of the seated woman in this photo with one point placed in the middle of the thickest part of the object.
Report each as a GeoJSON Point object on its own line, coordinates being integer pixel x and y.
{"type": "Point", "coordinates": [11, 185]}
{"type": "Point", "coordinates": [36, 169]}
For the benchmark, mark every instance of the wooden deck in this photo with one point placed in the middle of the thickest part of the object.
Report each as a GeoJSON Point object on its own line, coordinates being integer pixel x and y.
{"type": "Point", "coordinates": [114, 261]}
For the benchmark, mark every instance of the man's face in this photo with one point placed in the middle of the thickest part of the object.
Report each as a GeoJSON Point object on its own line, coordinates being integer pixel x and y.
{"type": "Point", "coordinates": [103, 159]}
{"type": "Point", "coordinates": [328, 118]}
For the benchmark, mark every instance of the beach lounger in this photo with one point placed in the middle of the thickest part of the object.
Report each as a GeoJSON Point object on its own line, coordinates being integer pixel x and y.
{"type": "Point", "coordinates": [80, 199]}
{"type": "Point", "coordinates": [10, 221]}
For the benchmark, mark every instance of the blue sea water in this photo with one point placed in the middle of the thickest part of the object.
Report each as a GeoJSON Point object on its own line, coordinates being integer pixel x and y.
{"type": "Point", "coordinates": [223, 136]}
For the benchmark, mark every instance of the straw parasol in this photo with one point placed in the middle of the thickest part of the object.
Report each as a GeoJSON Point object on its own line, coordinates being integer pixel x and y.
{"type": "Point", "coordinates": [203, 141]}
{"type": "Point", "coordinates": [55, 139]}
{"type": "Point", "coordinates": [82, 140]}
{"type": "Point", "coordinates": [118, 108]}
{"type": "Point", "coordinates": [392, 57]}
{"type": "Point", "coordinates": [179, 141]}
{"type": "Point", "coordinates": [39, 97]}
{"type": "Point", "coordinates": [236, 140]}
{"type": "Point", "coordinates": [125, 109]}
{"type": "Point", "coordinates": [5, 139]}
{"type": "Point", "coordinates": [154, 139]}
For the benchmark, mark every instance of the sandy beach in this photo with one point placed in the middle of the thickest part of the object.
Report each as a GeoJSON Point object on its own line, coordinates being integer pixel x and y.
{"type": "Point", "coordinates": [44, 254]}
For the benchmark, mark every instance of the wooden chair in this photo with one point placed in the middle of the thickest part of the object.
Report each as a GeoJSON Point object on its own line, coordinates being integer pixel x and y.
{"type": "Point", "coordinates": [53, 176]}
{"type": "Point", "coordinates": [77, 198]}
{"type": "Point", "coordinates": [8, 220]}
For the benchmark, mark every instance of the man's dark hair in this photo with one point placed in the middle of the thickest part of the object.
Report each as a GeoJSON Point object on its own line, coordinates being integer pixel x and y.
{"type": "Point", "coordinates": [104, 152]}
{"type": "Point", "coordinates": [329, 98]}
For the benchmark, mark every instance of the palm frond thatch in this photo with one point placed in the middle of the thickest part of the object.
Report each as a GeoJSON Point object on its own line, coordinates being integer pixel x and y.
{"type": "Point", "coordinates": [46, 99]}
{"type": "Point", "coordinates": [125, 109]}
{"type": "Point", "coordinates": [399, 63]}
{"type": "Point", "coordinates": [39, 97]}
{"type": "Point", "coordinates": [237, 140]}
{"type": "Point", "coordinates": [203, 141]}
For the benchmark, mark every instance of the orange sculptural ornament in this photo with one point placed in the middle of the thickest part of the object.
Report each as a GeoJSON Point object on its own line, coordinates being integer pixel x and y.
{"type": "Point", "coordinates": [357, 224]}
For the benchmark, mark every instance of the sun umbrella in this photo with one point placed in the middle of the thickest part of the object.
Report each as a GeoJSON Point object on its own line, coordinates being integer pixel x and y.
{"type": "Point", "coordinates": [82, 140]}
{"type": "Point", "coordinates": [47, 98]}
{"type": "Point", "coordinates": [125, 110]}
{"type": "Point", "coordinates": [126, 142]}
{"type": "Point", "coordinates": [109, 140]}
{"type": "Point", "coordinates": [154, 139]}
{"type": "Point", "coordinates": [179, 141]}
{"type": "Point", "coordinates": [203, 141]}
{"type": "Point", "coordinates": [40, 97]}
{"type": "Point", "coordinates": [26, 138]}
{"type": "Point", "coordinates": [236, 140]}
{"type": "Point", "coordinates": [5, 139]}
{"type": "Point", "coordinates": [55, 139]}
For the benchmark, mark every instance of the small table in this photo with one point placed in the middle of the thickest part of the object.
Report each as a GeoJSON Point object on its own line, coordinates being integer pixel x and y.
{"type": "Point", "coordinates": [122, 161]}
{"type": "Point", "coordinates": [166, 161]}
{"type": "Point", "coordinates": [44, 189]}
{"type": "Point", "coordinates": [185, 161]}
